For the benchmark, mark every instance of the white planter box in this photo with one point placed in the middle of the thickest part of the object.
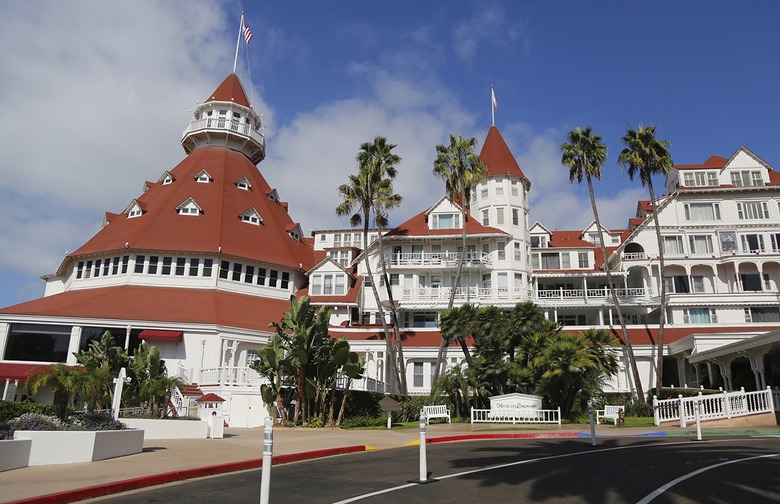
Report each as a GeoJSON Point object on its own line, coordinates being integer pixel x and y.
{"type": "Point", "coordinates": [169, 429]}
{"type": "Point", "coordinates": [67, 447]}
{"type": "Point", "coordinates": [14, 453]}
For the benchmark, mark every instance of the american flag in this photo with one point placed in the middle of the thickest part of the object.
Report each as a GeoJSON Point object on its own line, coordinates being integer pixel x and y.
{"type": "Point", "coordinates": [247, 33]}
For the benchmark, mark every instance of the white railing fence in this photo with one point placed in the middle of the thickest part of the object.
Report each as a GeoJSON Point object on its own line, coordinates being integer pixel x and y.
{"type": "Point", "coordinates": [713, 407]}
{"type": "Point", "coordinates": [516, 416]}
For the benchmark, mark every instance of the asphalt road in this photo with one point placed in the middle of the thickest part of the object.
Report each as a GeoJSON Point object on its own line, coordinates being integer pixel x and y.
{"type": "Point", "coordinates": [626, 470]}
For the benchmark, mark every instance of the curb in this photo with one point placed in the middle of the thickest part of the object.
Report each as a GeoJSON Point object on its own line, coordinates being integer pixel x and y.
{"type": "Point", "coordinates": [170, 477]}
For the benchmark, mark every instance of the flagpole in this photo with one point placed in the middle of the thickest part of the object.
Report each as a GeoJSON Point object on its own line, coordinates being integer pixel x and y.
{"type": "Point", "coordinates": [492, 106]}
{"type": "Point", "coordinates": [238, 41]}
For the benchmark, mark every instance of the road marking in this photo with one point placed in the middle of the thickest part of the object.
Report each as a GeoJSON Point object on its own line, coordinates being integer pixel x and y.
{"type": "Point", "coordinates": [655, 493]}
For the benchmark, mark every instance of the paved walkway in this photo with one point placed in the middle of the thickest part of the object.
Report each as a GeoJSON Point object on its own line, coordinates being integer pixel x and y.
{"type": "Point", "coordinates": [241, 445]}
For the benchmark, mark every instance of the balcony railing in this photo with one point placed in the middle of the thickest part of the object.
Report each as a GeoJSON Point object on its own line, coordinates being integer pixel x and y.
{"type": "Point", "coordinates": [634, 256]}
{"type": "Point", "coordinates": [231, 376]}
{"type": "Point", "coordinates": [472, 294]}
{"type": "Point", "coordinates": [445, 259]}
{"type": "Point", "coordinates": [211, 123]}
{"type": "Point", "coordinates": [604, 293]}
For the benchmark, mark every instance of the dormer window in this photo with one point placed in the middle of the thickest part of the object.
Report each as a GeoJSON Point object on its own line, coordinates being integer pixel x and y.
{"type": "Point", "coordinates": [700, 178]}
{"type": "Point", "coordinates": [243, 184]}
{"type": "Point", "coordinates": [251, 216]}
{"type": "Point", "coordinates": [273, 196]}
{"type": "Point", "coordinates": [445, 221]}
{"type": "Point", "coordinates": [167, 179]}
{"type": "Point", "coordinates": [538, 241]}
{"type": "Point", "coordinates": [295, 233]}
{"type": "Point", "coordinates": [747, 178]}
{"type": "Point", "coordinates": [203, 177]}
{"type": "Point", "coordinates": [189, 207]}
{"type": "Point", "coordinates": [133, 210]}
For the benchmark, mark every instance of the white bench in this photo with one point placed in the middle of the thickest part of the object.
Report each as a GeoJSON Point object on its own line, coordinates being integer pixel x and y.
{"type": "Point", "coordinates": [609, 412]}
{"type": "Point", "coordinates": [435, 411]}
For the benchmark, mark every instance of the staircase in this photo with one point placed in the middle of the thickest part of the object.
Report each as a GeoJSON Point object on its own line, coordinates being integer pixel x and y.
{"type": "Point", "coordinates": [184, 398]}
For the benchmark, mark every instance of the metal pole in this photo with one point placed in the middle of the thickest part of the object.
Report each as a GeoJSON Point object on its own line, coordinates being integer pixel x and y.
{"type": "Point", "coordinates": [592, 425]}
{"type": "Point", "coordinates": [423, 459]}
{"type": "Point", "coordinates": [268, 451]}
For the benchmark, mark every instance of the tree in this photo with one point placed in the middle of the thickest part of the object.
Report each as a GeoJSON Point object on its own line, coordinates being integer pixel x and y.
{"type": "Point", "coordinates": [370, 193]}
{"type": "Point", "coordinates": [272, 363]}
{"type": "Point", "coordinates": [645, 156]}
{"type": "Point", "coordinates": [153, 383]}
{"type": "Point", "coordinates": [456, 324]}
{"type": "Point", "coordinates": [103, 359]}
{"type": "Point", "coordinates": [585, 154]}
{"type": "Point", "coordinates": [460, 168]}
{"type": "Point", "coordinates": [66, 381]}
{"type": "Point", "coordinates": [352, 369]}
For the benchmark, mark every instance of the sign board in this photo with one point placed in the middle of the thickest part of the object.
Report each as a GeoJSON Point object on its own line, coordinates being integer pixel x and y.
{"type": "Point", "coordinates": [515, 402]}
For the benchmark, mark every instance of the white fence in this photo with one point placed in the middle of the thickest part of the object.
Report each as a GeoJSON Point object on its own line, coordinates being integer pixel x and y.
{"type": "Point", "coordinates": [713, 407]}
{"type": "Point", "coordinates": [516, 416]}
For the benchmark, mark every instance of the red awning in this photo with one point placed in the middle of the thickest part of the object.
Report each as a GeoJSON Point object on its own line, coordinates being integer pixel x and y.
{"type": "Point", "coordinates": [18, 371]}
{"type": "Point", "coordinates": [160, 335]}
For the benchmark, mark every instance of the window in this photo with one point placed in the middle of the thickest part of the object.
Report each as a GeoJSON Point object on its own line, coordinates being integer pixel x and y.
{"type": "Point", "coordinates": [483, 193]}
{"type": "Point", "coordinates": [243, 184]}
{"type": "Point", "coordinates": [337, 240]}
{"type": "Point", "coordinates": [194, 264]}
{"type": "Point", "coordinates": [135, 211]}
{"type": "Point", "coordinates": [168, 179]}
{"type": "Point", "coordinates": [323, 237]}
{"type": "Point", "coordinates": [273, 279]}
{"type": "Point", "coordinates": [394, 279]}
{"type": "Point", "coordinates": [752, 210]}
{"type": "Point", "coordinates": [752, 282]}
{"type": "Point", "coordinates": [700, 316]}
{"type": "Point", "coordinates": [106, 267]}
{"type": "Point", "coordinates": [701, 244]}
{"type": "Point", "coordinates": [486, 282]}
{"type": "Point", "coordinates": [339, 285]}
{"type": "Point", "coordinates": [551, 260]}
{"type": "Point", "coordinates": [358, 239]}
{"type": "Point", "coordinates": [418, 374]}
{"type": "Point", "coordinates": [752, 242]}
{"type": "Point", "coordinates": [327, 285]}
{"type": "Point", "coordinates": [485, 218]}
{"type": "Point", "coordinates": [261, 272]}
{"type": "Point", "coordinates": [499, 216]}
{"type": "Point", "coordinates": [237, 272]}
{"type": "Point", "coordinates": [702, 212]}
{"type": "Point", "coordinates": [251, 216]}
{"type": "Point", "coordinates": [582, 259]}
{"type": "Point", "coordinates": [538, 241]}
{"type": "Point", "coordinates": [347, 239]}
{"type": "Point", "coordinates": [747, 178]}
{"type": "Point", "coordinates": [445, 221]}
{"type": "Point", "coordinates": [514, 188]}
{"type": "Point", "coordinates": [251, 357]}
{"type": "Point", "coordinates": [38, 342]}
{"type": "Point", "coordinates": [499, 190]}
{"type": "Point", "coordinates": [139, 263]}
{"type": "Point", "coordinates": [285, 284]}
{"type": "Point", "coordinates": [424, 319]}
{"type": "Point", "coordinates": [518, 252]}
{"type": "Point", "coordinates": [762, 314]}
{"type": "Point", "coordinates": [224, 269]}
{"type": "Point", "coordinates": [181, 263]}
{"type": "Point", "coordinates": [249, 274]}
{"type": "Point", "coordinates": [673, 245]}
{"type": "Point", "coordinates": [697, 283]}
{"type": "Point", "coordinates": [502, 282]}
{"type": "Point", "coordinates": [501, 251]}
{"type": "Point", "coordinates": [203, 177]}
{"type": "Point", "coordinates": [515, 217]}
{"type": "Point", "coordinates": [315, 285]}
{"type": "Point", "coordinates": [701, 178]}
{"type": "Point", "coordinates": [125, 263]}
{"type": "Point", "coordinates": [208, 265]}
{"type": "Point", "coordinates": [775, 237]}
{"type": "Point", "coordinates": [678, 284]}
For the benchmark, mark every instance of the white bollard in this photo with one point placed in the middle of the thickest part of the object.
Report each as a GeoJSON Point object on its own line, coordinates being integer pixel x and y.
{"type": "Point", "coordinates": [389, 419]}
{"type": "Point", "coordinates": [268, 451]}
{"type": "Point", "coordinates": [698, 420]}
{"type": "Point", "coordinates": [423, 457]}
{"type": "Point", "coordinates": [592, 425]}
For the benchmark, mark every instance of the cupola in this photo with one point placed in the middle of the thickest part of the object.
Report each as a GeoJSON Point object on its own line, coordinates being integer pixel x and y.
{"type": "Point", "coordinates": [226, 119]}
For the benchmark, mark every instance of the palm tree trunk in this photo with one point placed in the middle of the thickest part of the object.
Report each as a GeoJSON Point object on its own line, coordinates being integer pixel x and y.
{"type": "Point", "coordinates": [662, 315]}
{"type": "Point", "coordinates": [398, 360]}
{"type": "Point", "coordinates": [632, 359]}
{"type": "Point", "coordinates": [343, 403]}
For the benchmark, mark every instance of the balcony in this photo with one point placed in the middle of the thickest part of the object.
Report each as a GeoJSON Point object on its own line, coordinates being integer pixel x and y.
{"type": "Point", "coordinates": [441, 295]}
{"type": "Point", "coordinates": [598, 295]}
{"type": "Point", "coordinates": [438, 259]}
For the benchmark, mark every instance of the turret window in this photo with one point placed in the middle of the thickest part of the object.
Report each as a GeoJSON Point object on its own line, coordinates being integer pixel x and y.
{"type": "Point", "coordinates": [203, 177]}
{"type": "Point", "coordinates": [135, 211]}
{"type": "Point", "coordinates": [251, 216]}
{"type": "Point", "coordinates": [189, 207]}
{"type": "Point", "coordinates": [243, 184]}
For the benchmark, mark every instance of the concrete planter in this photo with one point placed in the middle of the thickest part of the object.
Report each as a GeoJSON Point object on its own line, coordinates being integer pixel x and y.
{"type": "Point", "coordinates": [168, 429]}
{"type": "Point", "coordinates": [14, 453]}
{"type": "Point", "coordinates": [67, 447]}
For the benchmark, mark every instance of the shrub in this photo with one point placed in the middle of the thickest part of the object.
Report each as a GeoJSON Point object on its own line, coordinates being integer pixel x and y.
{"type": "Point", "coordinates": [12, 409]}
{"type": "Point", "coordinates": [363, 421]}
{"type": "Point", "coordinates": [316, 423]}
{"type": "Point", "coordinates": [37, 422]}
{"type": "Point", "coordinates": [95, 422]}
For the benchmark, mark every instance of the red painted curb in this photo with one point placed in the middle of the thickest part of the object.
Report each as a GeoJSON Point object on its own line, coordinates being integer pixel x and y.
{"type": "Point", "coordinates": [170, 477]}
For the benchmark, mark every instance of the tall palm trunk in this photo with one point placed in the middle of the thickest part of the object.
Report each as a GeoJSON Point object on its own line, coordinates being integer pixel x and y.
{"type": "Point", "coordinates": [632, 359]}
{"type": "Point", "coordinates": [662, 316]}
{"type": "Point", "coordinates": [398, 360]}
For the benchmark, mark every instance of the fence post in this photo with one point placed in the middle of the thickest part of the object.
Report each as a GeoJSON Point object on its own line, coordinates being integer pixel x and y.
{"type": "Point", "coordinates": [681, 409]}
{"type": "Point", "coordinates": [726, 404]}
{"type": "Point", "coordinates": [472, 415]}
{"type": "Point", "coordinates": [770, 398]}
{"type": "Point", "coordinates": [559, 415]}
{"type": "Point", "coordinates": [656, 419]}
{"type": "Point", "coordinates": [698, 420]}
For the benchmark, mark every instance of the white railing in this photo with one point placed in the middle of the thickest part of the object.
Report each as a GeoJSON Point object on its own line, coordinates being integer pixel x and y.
{"type": "Point", "coordinates": [713, 407]}
{"type": "Point", "coordinates": [231, 376]}
{"type": "Point", "coordinates": [604, 293]}
{"type": "Point", "coordinates": [210, 123]}
{"type": "Point", "coordinates": [634, 256]}
{"type": "Point", "coordinates": [471, 294]}
{"type": "Point", "coordinates": [363, 384]}
{"type": "Point", "coordinates": [533, 416]}
{"type": "Point", "coordinates": [447, 259]}
{"type": "Point", "coordinates": [180, 403]}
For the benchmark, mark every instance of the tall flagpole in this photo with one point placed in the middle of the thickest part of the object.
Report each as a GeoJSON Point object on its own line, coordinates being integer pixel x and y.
{"type": "Point", "coordinates": [492, 106]}
{"type": "Point", "coordinates": [238, 41]}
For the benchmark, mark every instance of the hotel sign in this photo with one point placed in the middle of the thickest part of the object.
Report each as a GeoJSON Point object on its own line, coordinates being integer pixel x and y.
{"type": "Point", "coordinates": [515, 402]}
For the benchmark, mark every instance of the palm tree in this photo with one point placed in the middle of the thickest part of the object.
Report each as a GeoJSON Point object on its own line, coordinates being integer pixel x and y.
{"type": "Point", "coordinates": [370, 192]}
{"type": "Point", "coordinates": [66, 381]}
{"type": "Point", "coordinates": [645, 156]}
{"type": "Point", "coordinates": [585, 154]}
{"type": "Point", "coordinates": [456, 325]}
{"type": "Point", "coordinates": [460, 167]}
{"type": "Point", "coordinates": [525, 319]}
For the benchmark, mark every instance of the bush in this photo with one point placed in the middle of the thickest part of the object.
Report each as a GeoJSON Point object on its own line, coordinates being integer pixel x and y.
{"type": "Point", "coordinates": [316, 423]}
{"type": "Point", "coordinates": [363, 421]}
{"type": "Point", "coordinates": [11, 409]}
{"type": "Point", "coordinates": [37, 422]}
{"type": "Point", "coordinates": [95, 422]}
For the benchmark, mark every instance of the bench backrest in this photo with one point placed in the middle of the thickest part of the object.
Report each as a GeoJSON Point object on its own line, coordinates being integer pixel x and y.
{"type": "Point", "coordinates": [613, 410]}
{"type": "Point", "coordinates": [440, 409]}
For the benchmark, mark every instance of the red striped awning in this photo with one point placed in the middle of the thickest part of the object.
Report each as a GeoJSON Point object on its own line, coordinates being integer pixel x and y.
{"type": "Point", "coordinates": [19, 371]}
{"type": "Point", "coordinates": [161, 335]}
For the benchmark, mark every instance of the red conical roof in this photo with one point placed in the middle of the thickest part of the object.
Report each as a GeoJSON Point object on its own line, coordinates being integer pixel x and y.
{"type": "Point", "coordinates": [230, 90]}
{"type": "Point", "coordinates": [219, 226]}
{"type": "Point", "coordinates": [497, 156]}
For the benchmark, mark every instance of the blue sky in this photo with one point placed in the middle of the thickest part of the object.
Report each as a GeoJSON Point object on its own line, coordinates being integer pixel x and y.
{"type": "Point", "coordinates": [96, 96]}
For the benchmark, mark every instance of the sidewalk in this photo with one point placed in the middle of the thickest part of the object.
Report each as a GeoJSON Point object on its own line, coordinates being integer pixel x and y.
{"type": "Point", "coordinates": [241, 445]}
